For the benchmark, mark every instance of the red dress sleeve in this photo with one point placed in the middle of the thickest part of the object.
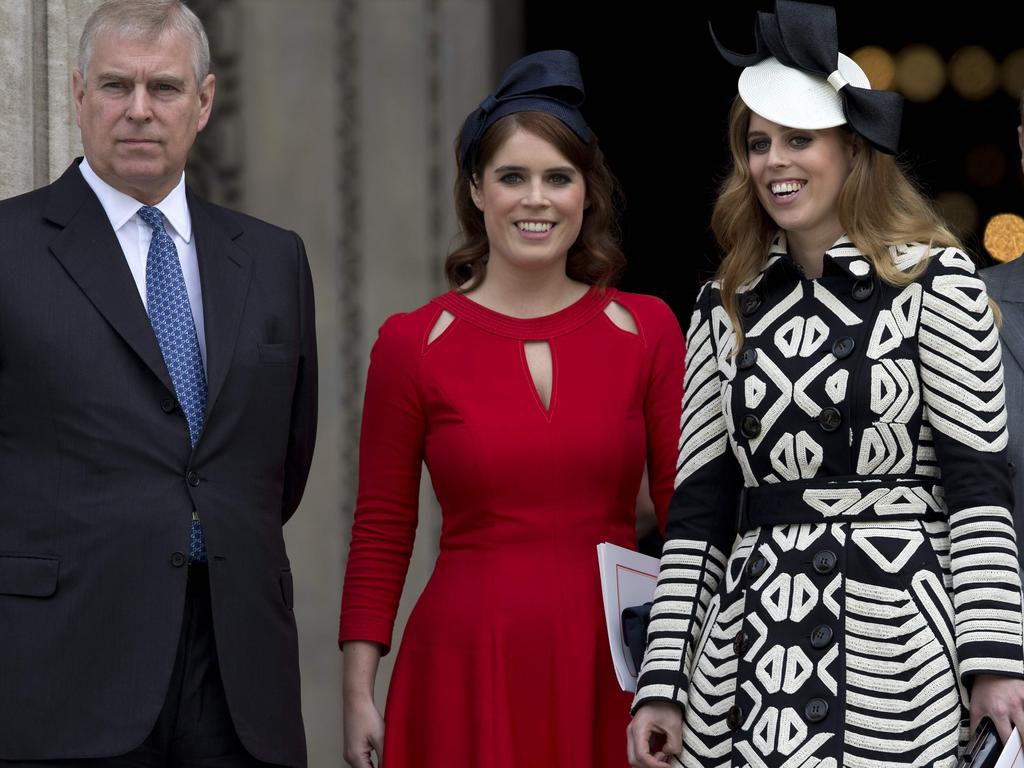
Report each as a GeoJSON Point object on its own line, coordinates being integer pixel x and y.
{"type": "Point", "coordinates": [390, 462]}
{"type": "Point", "coordinates": [663, 402]}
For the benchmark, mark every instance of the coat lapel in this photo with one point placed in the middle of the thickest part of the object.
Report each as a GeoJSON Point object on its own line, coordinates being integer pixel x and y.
{"type": "Point", "coordinates": [224, 271]}
{"type": "Point", "coordinates": [89, 251]}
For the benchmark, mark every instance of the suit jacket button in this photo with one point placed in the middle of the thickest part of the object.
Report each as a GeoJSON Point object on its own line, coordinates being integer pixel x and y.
{"type": "Point", "coordinates": [816, 710]}
{"type": "Point", "coordinates": [824, 561]}
{"type": "Point", "coordinates": [830, 418]}
{"type": "Point", "coordinates": [178, 559]}
{"type": "Point", "coordinates": [735, 717]}
{"type": "Point", "coordinates": [843, 347]}
{"type": "Point", "coordinates": [751, 425]}
{"type": "Point", "coordinates": [192, 478]}
{"type": "Point", "coordinates": [821, 636]}
{"type": "Point", "coordinates": [747, 358]}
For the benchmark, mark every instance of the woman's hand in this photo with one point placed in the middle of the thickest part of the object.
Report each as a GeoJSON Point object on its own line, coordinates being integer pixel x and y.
{"type": "Point", "coordinates": [655, 734]}
{"type": "Point", "coordinates": [362, 725]}
{"type": "Point", "coordinates": [363, 732]}
{"type": "Point", "coordinates": [1001, 699]}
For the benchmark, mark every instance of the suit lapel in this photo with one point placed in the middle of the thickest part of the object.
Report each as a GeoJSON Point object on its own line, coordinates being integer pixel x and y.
{"type": "Point", "coordinates": [1005, 284]}
{"type": "Point", "coordinates": [224, 272]}
{"type": "Point", "coordinates": [1012, 332]}
{"type": "Point", "coordinates": [91, 254]}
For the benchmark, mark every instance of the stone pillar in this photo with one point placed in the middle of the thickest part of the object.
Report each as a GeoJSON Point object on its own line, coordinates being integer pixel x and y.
{"type": "Point", "coordinates": [38, 53]}
{"type": "Point", "coordinates": [347, 114]}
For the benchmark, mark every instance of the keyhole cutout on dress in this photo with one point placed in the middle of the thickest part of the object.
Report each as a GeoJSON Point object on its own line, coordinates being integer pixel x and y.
{"type": "Point", "coordinates": [538, 358]}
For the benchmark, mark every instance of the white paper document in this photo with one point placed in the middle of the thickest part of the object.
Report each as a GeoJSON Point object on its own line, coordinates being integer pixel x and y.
{"type": "Point", "coordinates": [1011, 756]}
{"type": "Point", "coordinates": [627, 579]}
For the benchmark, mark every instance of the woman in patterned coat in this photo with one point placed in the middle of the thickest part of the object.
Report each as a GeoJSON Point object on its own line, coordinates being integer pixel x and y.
{"type": "Point", "coordinates": [843, 437]}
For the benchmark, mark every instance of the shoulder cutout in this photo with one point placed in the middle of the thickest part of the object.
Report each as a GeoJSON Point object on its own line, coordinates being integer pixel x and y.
{"type": "Point", "coordinates": [621, 316]}
{"type": "Point", "coordinates": [443, 321]}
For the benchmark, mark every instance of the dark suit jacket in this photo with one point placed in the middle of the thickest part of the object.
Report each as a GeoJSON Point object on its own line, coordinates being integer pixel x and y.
{"type": "Point", "coordinates": [99, 480]}
{"type": "Point", "coordinates": [1005, 284]}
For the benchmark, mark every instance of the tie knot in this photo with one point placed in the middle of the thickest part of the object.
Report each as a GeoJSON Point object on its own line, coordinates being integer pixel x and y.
{"type": "Point", "coordinates": [152, 217]}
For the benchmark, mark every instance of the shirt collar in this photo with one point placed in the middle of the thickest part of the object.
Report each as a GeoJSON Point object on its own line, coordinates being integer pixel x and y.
{"type": "Point", "coordinates": [120, 207]}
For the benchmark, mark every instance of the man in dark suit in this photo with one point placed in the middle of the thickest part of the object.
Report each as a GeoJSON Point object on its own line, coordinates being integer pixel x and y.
{"type": "Point", "coordinates": [157, 420]}
{"type": "Point", "coordinates": [1005, 284]}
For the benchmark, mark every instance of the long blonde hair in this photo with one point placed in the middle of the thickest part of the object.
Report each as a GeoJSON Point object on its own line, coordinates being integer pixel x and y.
{"type": "Point", "coordinates": [879, 206]}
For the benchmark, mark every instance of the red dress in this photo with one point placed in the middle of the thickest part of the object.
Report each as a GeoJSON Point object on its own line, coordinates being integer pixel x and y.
{"type": "Point", "coordinates": [505, 662]}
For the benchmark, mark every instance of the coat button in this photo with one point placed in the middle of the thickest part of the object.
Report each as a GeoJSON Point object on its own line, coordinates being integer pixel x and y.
{"type": "Point", "coordinates": [862, 290]}
{"type": "Point", "coordinates": [739, 643]}
{"type": "Point", "coordinates": [735, 717]}
{"type": "Point", "coordinates": [167, 405]}
{"type": "Point", "coordinates": [843, 347]}
{"type": "Point", "coordinates": [756, 566]}
{"type": "Point", "coordinates": [178, 559]}
{"type": "Point", "coordinates": [830, 418]}
{"type": "Point", "coordinates": [748, 358]}
{"type": "Point", "coordinates": [192, 478]}
{"type": "Point", "coordinates": [821, 636]}
{"type": "Point", "coordinates": [816, 710]}
{"type": "Point", "coordinates": [750, 303]}
{"type": "Point", "coordinates": [1013, 469]}
{"type": "Point", "coordinates": [751, 425]}
{"type": "Point", "coordinates": [824, 561]}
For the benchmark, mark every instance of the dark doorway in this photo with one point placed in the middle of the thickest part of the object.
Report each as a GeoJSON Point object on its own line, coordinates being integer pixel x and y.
{"type": "Point", "coordinates": [658, 95]}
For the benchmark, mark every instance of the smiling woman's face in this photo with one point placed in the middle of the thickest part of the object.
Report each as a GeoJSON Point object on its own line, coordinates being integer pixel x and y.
{"type": "Point", "coordinates": [798, 174]}
{"type": "Point", "coordinates": [532, 198]}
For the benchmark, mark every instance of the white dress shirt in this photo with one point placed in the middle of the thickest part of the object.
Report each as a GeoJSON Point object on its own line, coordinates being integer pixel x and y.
{"type": "Point", "coordinates": [134, 235]}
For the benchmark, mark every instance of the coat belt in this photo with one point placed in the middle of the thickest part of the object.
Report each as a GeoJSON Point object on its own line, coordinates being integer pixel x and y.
{"type": "Point", "coordinates": [841, 499]}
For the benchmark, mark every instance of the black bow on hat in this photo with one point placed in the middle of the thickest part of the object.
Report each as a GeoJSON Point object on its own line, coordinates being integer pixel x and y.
{"type": "Point", "coordinates": [547, 81]}
{"type": "Point", "coordinates": [803, 36]}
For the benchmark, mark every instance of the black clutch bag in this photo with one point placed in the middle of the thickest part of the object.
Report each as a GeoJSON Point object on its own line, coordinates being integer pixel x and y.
{"type": "Point", "coordinates": [983, 749]}
{"type": "Point", "coordinates": [635, 620]}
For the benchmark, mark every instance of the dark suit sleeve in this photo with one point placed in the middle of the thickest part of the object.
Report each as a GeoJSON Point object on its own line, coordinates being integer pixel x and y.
{"type": "Point", "coordinates": [302, 433]}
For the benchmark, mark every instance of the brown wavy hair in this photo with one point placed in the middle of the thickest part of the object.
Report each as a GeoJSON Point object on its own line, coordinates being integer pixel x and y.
{"type": "Point", "coordinates": [595, 258]}
{"type": "Point", "coordinates": [879, 206]}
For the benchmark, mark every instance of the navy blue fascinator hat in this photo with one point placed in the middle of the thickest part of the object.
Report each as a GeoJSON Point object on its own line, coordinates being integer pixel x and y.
{"type": "Point", "coordinates": [546, 81]}
{"type": "Point", "coordinates": [797, 77]}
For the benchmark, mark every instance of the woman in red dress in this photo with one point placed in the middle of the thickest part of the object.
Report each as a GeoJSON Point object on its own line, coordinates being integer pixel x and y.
{"type": "Point", "coordinates": [535, 393]}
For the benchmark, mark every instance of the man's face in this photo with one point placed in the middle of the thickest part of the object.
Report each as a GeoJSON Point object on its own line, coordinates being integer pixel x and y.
{"type": "Point", "coordinates": [139, 109]}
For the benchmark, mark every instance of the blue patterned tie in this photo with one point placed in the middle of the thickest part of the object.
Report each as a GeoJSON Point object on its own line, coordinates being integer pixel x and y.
{"type": "Point", "coordinates": [171, 317]}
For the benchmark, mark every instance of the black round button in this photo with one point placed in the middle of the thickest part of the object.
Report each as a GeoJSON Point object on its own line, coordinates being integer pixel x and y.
{"type": "Point", "coordinates": [735, 717]}
{"type": "Point", "coordinates": [750, 303]}
{"type": "Point", "coordinates": [843, 347]}
{"type": "Point", "coordinates": [178, 559]}
{"type": "Point", "coordinates": [821, 636]}
{"type": "Point", "coordinates": [830, 418]}
{"type": "Point", "coordinates": [192, 478]}
{"type": "Point", "coordinates": [816, 710]}
{"type": "Point", "coordinates": [863, 289]}
{"type": "Point", "coordinates": [747, 358]}
{"type": "Point", "coordinates": [739, 643]}
{"type": "Point", "coordinates": [167, 405]}
{"type": "Point", "coordinates": [1013, 469]}
{"type": "Point", "coordinates": [751, 425]}
{"type": "Point", "coordinates": [756, 566]}
{"type": "Point", "coordinates": [824, 561]}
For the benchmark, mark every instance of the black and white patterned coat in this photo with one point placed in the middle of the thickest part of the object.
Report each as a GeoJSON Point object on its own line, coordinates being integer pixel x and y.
{"type": "Point", "coordinates": [851, 458]}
